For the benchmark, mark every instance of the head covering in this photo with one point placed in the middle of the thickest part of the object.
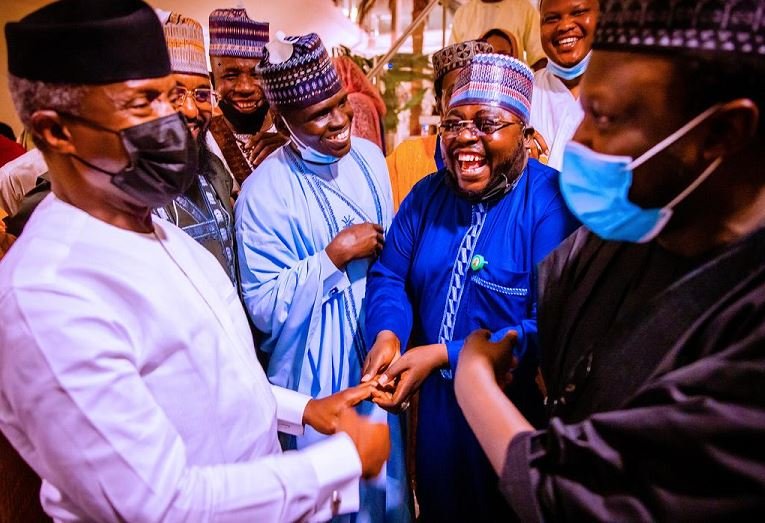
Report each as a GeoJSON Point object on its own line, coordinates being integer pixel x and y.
{"type": "Point", "coordinates": [186, 45]}
{"type": "Point", "coordinates": [709, 26]}
{"type": "Point", "coordinates": [233, 33]}
{"type": "Point", "coordinates": [496, 80]}
{"type": "Point", "coordinates": [88, 42]}
{"type": "Point", "coordinates": [457, 56]}
{"type": "Point", "coordinates": [296, 72]}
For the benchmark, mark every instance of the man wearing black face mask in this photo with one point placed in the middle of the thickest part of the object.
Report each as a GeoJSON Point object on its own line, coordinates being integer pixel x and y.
{"type": "Point", "coordinates": [128, 376]}
{"type": "Point", "coordinates": [245, 134]}
{"type": "Point", "coordinates": [461, 254]}
{"type": "Point", "coordinates": [203, 210]}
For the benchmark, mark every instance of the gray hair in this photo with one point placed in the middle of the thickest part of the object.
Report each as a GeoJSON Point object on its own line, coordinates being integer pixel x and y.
{"type": "Point", "coordinates": [30, 96]}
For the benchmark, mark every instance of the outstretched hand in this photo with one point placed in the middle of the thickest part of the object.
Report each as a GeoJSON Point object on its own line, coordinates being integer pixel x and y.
{"type": "Point", "coordinates": [324, 414]}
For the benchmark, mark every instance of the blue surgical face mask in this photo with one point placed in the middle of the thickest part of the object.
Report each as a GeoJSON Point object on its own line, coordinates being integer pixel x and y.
{"type": "Point", "coordinates": [569, 73]}
{"type": "Point", "coordinates": [308, 153]}
{"type": "Point", "coordinates": [596, 189]}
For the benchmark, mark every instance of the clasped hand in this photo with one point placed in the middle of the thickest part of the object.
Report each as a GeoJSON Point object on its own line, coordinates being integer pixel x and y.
{"type": "Point", "coordinates": [396, 377]}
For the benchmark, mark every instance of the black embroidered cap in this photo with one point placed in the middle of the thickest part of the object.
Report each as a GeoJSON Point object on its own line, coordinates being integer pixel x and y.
{"type": "Point", "coordinates": [88, 42]}
{"type": "Point", "coordinates": [704, 26]}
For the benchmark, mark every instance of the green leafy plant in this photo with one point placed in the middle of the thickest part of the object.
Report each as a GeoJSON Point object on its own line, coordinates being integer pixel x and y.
{"type": "Point", "coordinates": [402, 68]}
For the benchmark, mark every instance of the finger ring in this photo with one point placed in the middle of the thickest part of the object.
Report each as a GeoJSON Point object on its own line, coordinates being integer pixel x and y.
{"type": "Point", "coordinates": [405, 405]}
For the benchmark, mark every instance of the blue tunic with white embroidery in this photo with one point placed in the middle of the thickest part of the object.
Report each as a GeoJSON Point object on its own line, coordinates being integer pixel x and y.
{"type": "Point", "coordinates": [424, 289]}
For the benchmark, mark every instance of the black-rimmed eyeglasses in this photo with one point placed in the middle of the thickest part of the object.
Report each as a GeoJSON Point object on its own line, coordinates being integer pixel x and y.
{"type": "Point", "coordinates": [483, 126]}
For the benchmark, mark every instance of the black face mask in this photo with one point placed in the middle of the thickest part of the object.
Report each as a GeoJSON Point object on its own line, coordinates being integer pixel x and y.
{"type": "Point", "coordinates": [163, 159]}
{"type": "Point", "coordinates": [249, 123]}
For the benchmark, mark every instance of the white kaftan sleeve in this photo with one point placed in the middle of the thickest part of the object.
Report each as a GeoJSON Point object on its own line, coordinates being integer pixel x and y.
{"type": "Point", "coordinates": [73, 402]}
{"type": "Point", "coordinates": [290, 406]}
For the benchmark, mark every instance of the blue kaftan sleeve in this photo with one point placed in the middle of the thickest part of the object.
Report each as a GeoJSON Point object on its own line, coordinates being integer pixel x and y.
{"type": "Point", "coordinates": [388, 306]}
{"type": "Point", "coordinates": [553, 226]}
{"type": "Point", "coordinates": [285, 279]}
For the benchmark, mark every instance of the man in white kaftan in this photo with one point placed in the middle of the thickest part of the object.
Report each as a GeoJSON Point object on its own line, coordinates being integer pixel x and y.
{"type": "Point", "coordinates": [128, 376]}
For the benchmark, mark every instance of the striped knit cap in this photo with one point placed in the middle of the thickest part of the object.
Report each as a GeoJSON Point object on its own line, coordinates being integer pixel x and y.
{"type": "Point", "coordinates": [496, 80]}
{"type": "Point", "coordinates": [234, 34]}
{"type": "Point", "coordinates": [457, 56]}
{"type": "Point", "coordinates": [186, 45]}
{"type": "Point", "coordinates": [296, 72]}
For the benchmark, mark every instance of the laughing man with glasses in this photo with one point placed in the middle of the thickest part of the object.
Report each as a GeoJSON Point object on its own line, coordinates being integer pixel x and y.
{"type": "Point", "coordinates": [461, 255]}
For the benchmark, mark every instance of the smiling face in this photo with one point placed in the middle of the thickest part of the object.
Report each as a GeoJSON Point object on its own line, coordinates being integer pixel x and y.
{"type": "Point", "coordinates": [324, 126]}
{"type": "Point", "coordinates": [476, 159]}
{"type": "Point", "coordinates": [237, 84]}
{"type": "Point", "coordinates": [568, 29]}
{"type": "Point", "coordinates": [197, 114]}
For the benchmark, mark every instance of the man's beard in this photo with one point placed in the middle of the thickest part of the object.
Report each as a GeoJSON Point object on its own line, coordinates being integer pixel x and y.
{"type": "Point", "coordinates": [249, 123]}
{"type": "Point", "coordinates": [503, 178]}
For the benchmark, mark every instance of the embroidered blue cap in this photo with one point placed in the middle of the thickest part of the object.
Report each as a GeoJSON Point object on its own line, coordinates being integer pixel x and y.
{"type": "Point", "coordinates": [497, 80]}
{"type": "Point", "coordinates": [296, 72]}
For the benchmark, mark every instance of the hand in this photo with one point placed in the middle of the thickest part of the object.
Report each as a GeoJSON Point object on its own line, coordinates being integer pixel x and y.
{"type": "Point", "coordinates": [372, 441]}
{"type": "Point", "coordinates": [404, 377]}
{"type": "Point", "coordinates": [361, 240]}
{"type": "Point", "coordinates": [386, 350]}
{"type": "Point", "coordinates": [261, 145]}
{"type": "Point", "coordinates": [324, 414]}
{"type": "Point", "coordinates": [539, 149]}
{"type": "Point", "coordinates": [480, 354]}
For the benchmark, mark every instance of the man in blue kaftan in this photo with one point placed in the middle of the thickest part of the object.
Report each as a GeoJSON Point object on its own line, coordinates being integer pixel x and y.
{"type": "Point", "coordinates": [461, 255]}
{"type": "Point", "coordinates": [310, 220]}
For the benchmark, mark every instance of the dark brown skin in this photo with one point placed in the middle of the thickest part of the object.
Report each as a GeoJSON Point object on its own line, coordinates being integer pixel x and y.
{"type": "Point", "coordinates": [401, 375]}
{"type": "Point", "coordinates": [566, 19]}
{"type": "Point", "coordinates": [198, 115]}
{"type": "Point", "coordinates": [114, 106]}
{"type": "Point", "coordinates": [497, 148]}
{"type": "Point", "coordinates": [125, 104]}
{"type": "Point", "coordinates": [320, 126]}
{"type": "Point", "coordinates": [631, 102]}
{"type": "Point", "coordinates": [236, 82]}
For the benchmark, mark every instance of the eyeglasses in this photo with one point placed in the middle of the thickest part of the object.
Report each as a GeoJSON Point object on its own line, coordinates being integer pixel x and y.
{"type": "Point", "coordinates": [202, 95]}
{"type": "Point", "coordinates": [483, 126]}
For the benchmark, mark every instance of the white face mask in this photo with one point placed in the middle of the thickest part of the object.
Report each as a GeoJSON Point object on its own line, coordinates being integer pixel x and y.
{"type": "Point", "coordinates": [308, 153]}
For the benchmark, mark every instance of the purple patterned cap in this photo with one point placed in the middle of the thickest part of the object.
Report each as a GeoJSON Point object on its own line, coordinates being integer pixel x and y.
{"type": "Point", "coordinates": [233, 33]}
{"type": "Point", "coordinates": [496, 80]}
{"type": "Point", "coordinates": [296, 72]}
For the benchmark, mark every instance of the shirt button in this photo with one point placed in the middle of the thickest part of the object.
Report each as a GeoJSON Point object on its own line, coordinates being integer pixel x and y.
{"type": "Point", "coordinates": [333, 290]}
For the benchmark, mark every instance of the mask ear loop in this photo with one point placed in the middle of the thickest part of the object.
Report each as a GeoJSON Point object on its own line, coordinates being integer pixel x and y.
{"type": "Point", "coordinates": [698, 181]}
{"type": "Point", "coordinates": [672, 138]}
{"type": "Point", "coordinates": [293, 138]}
